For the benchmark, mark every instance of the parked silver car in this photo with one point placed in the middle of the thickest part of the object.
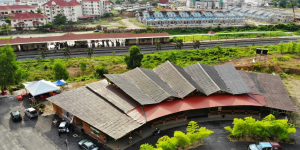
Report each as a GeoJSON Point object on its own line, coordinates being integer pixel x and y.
{"type": "Point", "coordinates": [31, 112]}
{"type": "Point", "coordinates": [87, 145]}
{"type": "Point", "coordinates": [63, 126]}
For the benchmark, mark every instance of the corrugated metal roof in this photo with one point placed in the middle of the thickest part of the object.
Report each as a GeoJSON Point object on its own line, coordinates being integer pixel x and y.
{"type": "Point", "coordinates": [249, 82]}
{"type": "Point", "coordinates": [188, 77]}
{"type": "Point", "coordinates": [114, 95]}
{"type": "Point", "coordinates": [97, 112]}
{"type": "Point", "coordinates": [232, 79]}
{"type": "Point", "coordinates": [199, 75]}
{"type": "Point", "coordinates": [168, 73]}
{"type": "Point", "coordinates": [273, 90]}
{"type": "Point", "coordinates": [131, 89]}
{"type": "Point", "coordinates": [154, 77]}
{"type": "Point", "coordinates": [143, 82]}
{"type": "Point", "coordinates": [213, 74]}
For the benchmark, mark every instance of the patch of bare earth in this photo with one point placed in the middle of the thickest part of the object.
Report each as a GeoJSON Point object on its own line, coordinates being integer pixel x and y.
{"type": "Point", "coordinates": [120, 68]}
{"type": "Point", "coordinates": [292, 86]}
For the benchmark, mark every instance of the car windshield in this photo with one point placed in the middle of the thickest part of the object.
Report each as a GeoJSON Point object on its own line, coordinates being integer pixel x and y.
{"type": "Point", "coordinates": [33, 112]}
{"type": "Point", "coordinates": [16, 116]}
{"type": "Point", "coordinates": [61, 127]}
{"type": "Point", "coordinates": [259, 146]}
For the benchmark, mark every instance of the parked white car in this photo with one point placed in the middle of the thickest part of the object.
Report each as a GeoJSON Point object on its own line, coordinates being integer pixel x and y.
{"type": "Point", "coordinates": [31, 112]}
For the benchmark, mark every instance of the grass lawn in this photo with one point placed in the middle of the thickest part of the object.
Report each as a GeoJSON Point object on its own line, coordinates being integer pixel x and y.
{"type": "Point", "coordinates": [137, 23]}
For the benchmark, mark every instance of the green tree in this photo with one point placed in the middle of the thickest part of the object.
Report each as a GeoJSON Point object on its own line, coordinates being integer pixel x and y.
{"type": "Point", "coordinates": [196, 44]}
{"type": "Point", "coordinates": [5, 28]}
{"type": "Point", "coordinates": [192, 127]}
{"type": "Point", "coordinates": [166, 143]}
{"type": "Point", "coordinates": [8, 67]}
{"type": "Point", "coordinates": [59, 19]}
{"type": "Point", "coordinates": [204, 133]}
{"type": "Point", "coordinates": [178, 44]}
{"type": "Point", "coordinates": [298, 48]}
{"type": "Point", "coordinates": [7, 20]}
{"type": "Point", "coordinates": [147, 146]}
{"type": "Point", "coordinates": [43, 53]}
{"type": "Point", "coordinates": [100, 71]}
{"type": "Point", "coordinates": [90, 52]}
{"type": "Point", "coordinates": [158, 46]}
{"type": "Point", "coordinates": [134, 59]}
{"type": "Point", "coordinates": [51, 60]}
{"type": "Point", "coordinates": [219, 51]}
{"type": "Point", "coordinates": [39, 11]}
{"type": "Point", "coordinates": [172, 58]}
{"type": "Point", "coordinates": [60, 72]}
{"type": "Point", "coordinates": [182, 139]}
{"type": "Point", "coordinates": [67, 53]}
{"type": "Point", "coordinates": [82, 66]}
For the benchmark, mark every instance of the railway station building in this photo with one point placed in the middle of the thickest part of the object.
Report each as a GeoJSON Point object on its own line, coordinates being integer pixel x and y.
{"type": "Point", "coordinates": [125, 108]}
{"type": "Point", "coordinates": [85, 40]}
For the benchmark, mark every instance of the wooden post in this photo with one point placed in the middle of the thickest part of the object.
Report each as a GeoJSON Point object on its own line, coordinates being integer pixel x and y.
{"type": "Point", "coordinates": [118, 146]}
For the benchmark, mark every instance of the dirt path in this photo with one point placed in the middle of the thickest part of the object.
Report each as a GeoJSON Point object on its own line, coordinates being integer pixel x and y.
{"type": "Point", "coordinates": [130, 25]}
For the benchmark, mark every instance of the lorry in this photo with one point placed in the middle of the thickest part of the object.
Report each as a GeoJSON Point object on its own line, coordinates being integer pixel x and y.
{"type": "Point", "coordinates": [265, 146]}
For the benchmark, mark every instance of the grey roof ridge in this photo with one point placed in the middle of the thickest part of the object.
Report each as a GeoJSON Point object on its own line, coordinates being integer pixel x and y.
{"type": "Point", "coordinates": [168, 84]}
{"type": "Point", "coordinates": [255, 99]}
{"type": "Point", "coordinates": [229, 91]}
{"type": "Point", "coordinates": [209, 77]}
{"type": "Point", "coordinates": [139, 69]}
{"type": "Point", "coordinates": [139, 88]}
{"type": "Point", "coordinates": [181, 75]}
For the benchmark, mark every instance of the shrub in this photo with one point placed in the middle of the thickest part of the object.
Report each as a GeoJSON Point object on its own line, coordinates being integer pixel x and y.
{"type": "Point", "coordinates": [51, 60]}
{"type": "Point", "coordinates": [82, 66]}
{"type": "Point", "coordinates": [100, 71]}
{"type": "Point", "coordinates": [287, 71]}
{"type": "Point", "coordinates": [60, 72]}
{"type": "Point", "coordinates": [134, 58]}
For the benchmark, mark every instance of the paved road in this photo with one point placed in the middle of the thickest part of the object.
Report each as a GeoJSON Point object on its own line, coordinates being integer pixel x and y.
{"type": "Point", "coordinates": [217, 140]}
{"type": "Point", "coordinates": [33, 134]}
{"type": "Point", "coordinates": [151, 48]}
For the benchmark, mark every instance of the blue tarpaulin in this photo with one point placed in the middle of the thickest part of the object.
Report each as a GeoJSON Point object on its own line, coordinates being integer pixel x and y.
{"type": "Point", "coordinates": [59, 82]}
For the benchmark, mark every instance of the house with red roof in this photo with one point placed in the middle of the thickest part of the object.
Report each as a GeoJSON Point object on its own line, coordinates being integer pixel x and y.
{"type": "Point", "coordinates": [27, 19]}
{"type": "Point", "coordinates": [71, 9]}
{"type": "Point", "coordinates": [107, 6]}
{"type": "Point", "coordinates": [6, 10]}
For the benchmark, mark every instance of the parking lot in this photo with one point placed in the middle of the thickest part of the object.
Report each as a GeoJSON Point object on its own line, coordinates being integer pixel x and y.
{"type": "Point", "coordinates": [41, 133]}
{"type": "Point", "coordinates": [36, 133]}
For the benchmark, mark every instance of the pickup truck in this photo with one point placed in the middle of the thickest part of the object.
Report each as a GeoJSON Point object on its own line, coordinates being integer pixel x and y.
{"type": "Point", "coordinates": [265, 146]}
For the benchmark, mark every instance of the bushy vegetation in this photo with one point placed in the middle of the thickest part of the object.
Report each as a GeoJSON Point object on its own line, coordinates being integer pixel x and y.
{"type": "Point", "coordinates": [134, 58]}
{"type": "Point", "coordinates": [269, 127]}
{"type": "Point", "coordinates": [194, 135]}
{"type": "Point", "coordinates": [291, 27]}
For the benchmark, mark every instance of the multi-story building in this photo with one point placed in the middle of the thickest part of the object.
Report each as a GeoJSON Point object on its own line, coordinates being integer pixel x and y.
{"type": "Point", "coordinates": [72, 9]}
{"type": "Point", "coordinates": [107, 6]}
{"type": "Point", "coordinates": [6, 10]}
{"type": "Point", "coordinates": [189, 18]}
{"type": "Point", "coordinates": [214, 4]}
{"type": "Point", "coordinates": [264, 15]}
{"type": "Point", "coordinates": [93, 7]}
{"type": "Point", "coordinates": [28, 20]}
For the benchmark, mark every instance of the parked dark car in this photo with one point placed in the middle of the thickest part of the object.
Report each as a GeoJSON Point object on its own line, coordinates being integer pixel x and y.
{"type": "Point", "coordinates": [96, 30]}
{"type": "Point", "coordinates": [63, 126]}
{"type": "Point", "coordinates": [16, 116]}
{"type": "Point", "coordinates": [87, 145]}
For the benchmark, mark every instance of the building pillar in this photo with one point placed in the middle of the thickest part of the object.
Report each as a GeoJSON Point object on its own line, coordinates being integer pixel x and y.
{"type": "Point", "coordinates": [152, 41]}
{"type": "Point", "coordinates": [118, 146]}
{"type": "Point", "coordinates": [137, 41]}
{"type": "Point", "coordinates": [89, 43]}
{"type": "Point", "coordinates": [130, 139]}
{"type": "Point", "coordinates": [19, 47]}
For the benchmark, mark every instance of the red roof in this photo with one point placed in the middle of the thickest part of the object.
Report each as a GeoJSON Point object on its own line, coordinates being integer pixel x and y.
{"type": "Point", "coordinates": [20, 23]}
{"type": "Point", "coordinates": [90, 16]}
{"type": "Point", "coordinates": [196, 102]}
{"type": "Point", "coordinates": [62, 3]}
{"type": "Point", "coordinates": [10, 7]}
{"type": "Point", "coordinates": [163, 1]}
{"type": "Point", "coordinates": [27, 15]}
{"type": "Point", "coordinates": [71, 36]}
{"type": "Point", "coordinates": [211, 32]}
{"type": "Point", "coordinates": [91, 0]}
{"type": "Point", "coordinates": [107, 2]}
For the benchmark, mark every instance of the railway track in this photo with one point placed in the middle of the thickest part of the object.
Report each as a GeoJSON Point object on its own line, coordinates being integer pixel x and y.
{"type": "Point", "coordinates": [151, 48]}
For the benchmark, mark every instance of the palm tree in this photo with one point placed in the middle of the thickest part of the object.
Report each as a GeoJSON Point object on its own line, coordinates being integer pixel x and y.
{"type": "Point", "coordinates": [178, 44]}
{"type": "Point", "coordinates": [90, 52]}
{"type": "Point", "coordinates": [67, 53]}
{"type": "Point", "coordinates": [158, 46]}
{"type": "Point", "coordinates": [196, 44]}
{"type": "Point", "coordinates": [43, 53]}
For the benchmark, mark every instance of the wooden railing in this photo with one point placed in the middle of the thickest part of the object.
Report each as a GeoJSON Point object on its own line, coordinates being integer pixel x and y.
{"type": "Point", "coordinates": [168, 120]}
